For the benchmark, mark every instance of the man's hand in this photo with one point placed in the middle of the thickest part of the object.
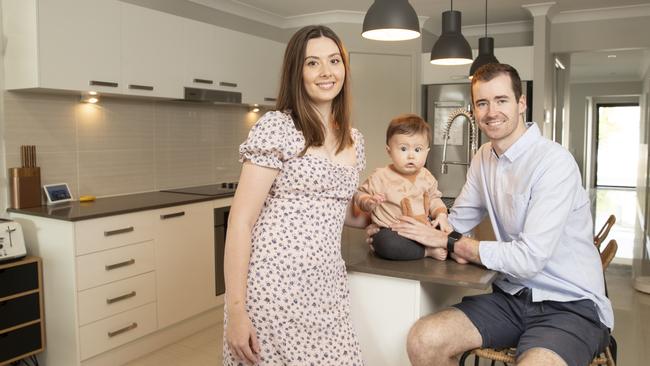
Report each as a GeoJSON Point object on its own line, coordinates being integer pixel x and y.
{"type": "Point", "coordinates": [424, 234]}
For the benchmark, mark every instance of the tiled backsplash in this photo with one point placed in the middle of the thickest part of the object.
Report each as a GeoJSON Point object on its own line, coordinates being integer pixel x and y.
{"type": "Point", "coordinates": [123, 146]}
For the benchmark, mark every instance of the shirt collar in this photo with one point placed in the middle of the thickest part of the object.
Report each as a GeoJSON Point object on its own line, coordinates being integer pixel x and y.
{"type": "Point", "coordinates": [524, 142]}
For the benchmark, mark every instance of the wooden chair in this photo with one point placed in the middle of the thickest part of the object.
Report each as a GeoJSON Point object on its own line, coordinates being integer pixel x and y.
{"type": "Point", "coordinates": [602, 234]}
{"type": "Point", "coordinates": [507, 356]}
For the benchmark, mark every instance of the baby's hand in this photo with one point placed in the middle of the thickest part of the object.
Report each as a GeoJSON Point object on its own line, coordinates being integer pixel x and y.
{"type": "Point", "coordinates": [436, 253]}
{"type": "Point", "coordinates": [441, 220]}
{"type": "Point", "coordinates": [371, 202]}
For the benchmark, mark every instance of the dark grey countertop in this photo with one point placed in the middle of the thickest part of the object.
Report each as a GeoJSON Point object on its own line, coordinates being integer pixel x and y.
{"type": "Point", "coordinates": [359, 258]}
{"type": "Point", "coordinates": [109, 206]}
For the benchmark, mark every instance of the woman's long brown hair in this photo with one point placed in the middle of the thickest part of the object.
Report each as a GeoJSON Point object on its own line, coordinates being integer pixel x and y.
{"type": "Point", "coordinates": [293, 96]}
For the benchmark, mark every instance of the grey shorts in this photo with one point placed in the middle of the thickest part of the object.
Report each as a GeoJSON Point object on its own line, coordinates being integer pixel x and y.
{"type": "Point", "coordinates": [570, 329]}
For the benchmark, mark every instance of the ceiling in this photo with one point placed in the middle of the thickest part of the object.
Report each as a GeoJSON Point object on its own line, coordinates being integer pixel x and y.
{"type": "Point", "coordinates": [508, 15]}
{"type": "Point", "coordinates": [499, 11]}
{"type": "Point", "coordinates": [603, 66]}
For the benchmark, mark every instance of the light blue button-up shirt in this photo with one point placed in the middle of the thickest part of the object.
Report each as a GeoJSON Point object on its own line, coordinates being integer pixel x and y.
{"type": "Point", "coordinates": [541, 218]}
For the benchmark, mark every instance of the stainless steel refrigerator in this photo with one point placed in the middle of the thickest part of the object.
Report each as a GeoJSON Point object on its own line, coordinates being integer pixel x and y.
{"type": "Point", "coordinates": [439, 100]}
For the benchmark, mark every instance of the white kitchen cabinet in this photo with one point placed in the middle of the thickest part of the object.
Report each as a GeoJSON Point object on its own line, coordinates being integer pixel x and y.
{"type": "Point", "coordinates": [63, 44]}
{"type": "Point", "coordinates": [120, 286]}
{"type": "Point", "coordinates": [210, 58]}
{"type": "Point", "coordinates": [119, 48]}
{"type": "Point", "coordinates": [185, 261]}
{"type": "Point", "coordinates": [262, 61]}
{"type": "Point", "coordinates": [150, 57]}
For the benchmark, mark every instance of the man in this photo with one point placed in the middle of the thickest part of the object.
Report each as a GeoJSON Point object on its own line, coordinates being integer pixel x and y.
{"type": "Point", "coordinates": [549, 300]}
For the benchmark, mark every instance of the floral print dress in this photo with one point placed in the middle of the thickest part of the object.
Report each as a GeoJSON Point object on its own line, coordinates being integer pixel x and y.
{"type": "Point", "coordinates": [297, 292]}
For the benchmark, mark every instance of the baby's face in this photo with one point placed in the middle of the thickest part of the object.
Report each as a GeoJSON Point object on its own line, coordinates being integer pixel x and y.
{"type": "Point", "coordinates": [408, 152]}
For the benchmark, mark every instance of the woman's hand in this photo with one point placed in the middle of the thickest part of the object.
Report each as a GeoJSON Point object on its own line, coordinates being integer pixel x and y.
{"type": "Point", "coordinates": [241, 337]}
{"type": "Point", "coordinates": [427, 235]}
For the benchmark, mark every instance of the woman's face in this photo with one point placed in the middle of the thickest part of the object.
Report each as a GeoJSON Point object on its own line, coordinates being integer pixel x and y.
{"type": "Point", "coordinates": [323, 71]}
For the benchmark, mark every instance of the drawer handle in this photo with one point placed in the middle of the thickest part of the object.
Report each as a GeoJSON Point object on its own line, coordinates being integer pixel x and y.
{"type": "Point", "coordinates": [103, 83]}
{"type": "Point", "coordinates": [203, 81]}
{"type": "Point", "coordinates": [125, 329]}
{"type": "Point", "coordinates": [120, 298]}
{"type": "Point", "coordinates": [268, 99]}
{"type": "Point", "coordinates": [224, 83]}
{"type": "Point", "coordinates": [119, 231]}
{"type": "Point", "coordinates": [140, 87]}
{"type": "Point", "coordinates": [172, 215]}
{"type": "Point", "coordinates": [110, 267]}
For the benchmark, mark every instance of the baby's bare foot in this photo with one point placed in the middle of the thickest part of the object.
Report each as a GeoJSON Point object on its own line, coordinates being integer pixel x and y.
{"type": "Point", "coordinates": [436, 253]}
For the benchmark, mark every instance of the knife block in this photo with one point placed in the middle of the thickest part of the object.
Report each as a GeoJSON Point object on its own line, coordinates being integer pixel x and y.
{"type": "Point", "coordinates": [25, 187]}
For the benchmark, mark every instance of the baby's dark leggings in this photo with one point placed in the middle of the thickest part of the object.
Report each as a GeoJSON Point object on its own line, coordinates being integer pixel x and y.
{"type": "Point", "coordinates": [389, 245]}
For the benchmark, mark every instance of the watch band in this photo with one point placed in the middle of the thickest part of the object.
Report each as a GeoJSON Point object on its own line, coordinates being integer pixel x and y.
{"type": "Point", "coordinates": [452, 238]}
{"type": "Point", "coordinates": [451, 242]}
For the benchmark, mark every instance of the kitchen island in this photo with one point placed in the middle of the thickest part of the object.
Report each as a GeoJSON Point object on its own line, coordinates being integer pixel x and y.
{"type": "Point", "coordinates": [387, 297]}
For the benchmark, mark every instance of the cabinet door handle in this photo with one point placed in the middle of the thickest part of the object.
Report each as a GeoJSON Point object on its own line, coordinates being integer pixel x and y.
{"type": "Point", "coordinates": [269, 99]}
{"type": "Point", "coordinates": [203, 81]}
{"type": "Point", "coordinates": [224, 83]}
{"type": "Point", "coordinates": [122, 330]}
{"type": "Point", "coordinates": [110, 267]}
{"type": "Point", "coordinates": [119, 231]}
{"type": "Point", "coordinates": [103, 83]}
{"type": "Point", "coordinates": [120, 298]}
{"type": "Point", "coordinates": [172, 215]}
{"type": "Point", "coordinates": [140, 87]}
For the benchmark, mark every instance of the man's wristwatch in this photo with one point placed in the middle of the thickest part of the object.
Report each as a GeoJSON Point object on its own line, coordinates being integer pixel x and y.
{"type": "Point", "coordinates": [452, 238]}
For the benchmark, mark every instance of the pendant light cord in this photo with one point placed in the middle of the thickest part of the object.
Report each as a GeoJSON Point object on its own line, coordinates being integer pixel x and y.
{"type": "Point", "coordinates": [486, 18]}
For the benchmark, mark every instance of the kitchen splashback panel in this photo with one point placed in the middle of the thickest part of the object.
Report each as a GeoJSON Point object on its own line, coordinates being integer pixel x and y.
{"type": "Point", "coordinates": [123, 146]}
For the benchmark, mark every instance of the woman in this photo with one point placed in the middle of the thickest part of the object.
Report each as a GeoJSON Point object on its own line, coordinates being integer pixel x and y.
{"type": "Point", "coordinates": [287, 299]}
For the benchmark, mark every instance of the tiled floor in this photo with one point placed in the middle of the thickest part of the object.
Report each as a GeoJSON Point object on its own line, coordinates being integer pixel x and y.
{"type": "Point", "coordinates": [201, 349]}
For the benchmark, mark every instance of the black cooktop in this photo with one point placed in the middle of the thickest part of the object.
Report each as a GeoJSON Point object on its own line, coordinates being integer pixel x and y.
{"type": "Point", "coordinates": [219, 189]}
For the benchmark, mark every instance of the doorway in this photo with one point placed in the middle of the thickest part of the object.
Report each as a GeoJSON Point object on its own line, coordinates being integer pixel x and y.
{"type": "Point", "coordinates": [617, 145]}
{"type": "Point", "coordinates": [617, 149]}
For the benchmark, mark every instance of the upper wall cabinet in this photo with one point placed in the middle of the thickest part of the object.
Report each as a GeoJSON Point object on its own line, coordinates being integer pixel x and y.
{"type": "Point", "coordinates": [63, 44]}
{"type": "Point", "coordinates": [115, 47]}
{"type": "Point", "coordinates": [152, 44]}
{"type": "Point", "coordinates": [223, 59]}
{"type": "Point", "coordinates": [211, 59]}
{"type": "Point", "coordinates": [262, 62]}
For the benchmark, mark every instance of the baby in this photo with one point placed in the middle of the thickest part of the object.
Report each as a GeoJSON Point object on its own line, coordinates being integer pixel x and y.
{"type": "Point", "coordinates": [404, 187]}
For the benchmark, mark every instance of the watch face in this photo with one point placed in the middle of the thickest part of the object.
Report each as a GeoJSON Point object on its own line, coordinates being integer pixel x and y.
{"type": "Point", "coordinates": [455, 235]}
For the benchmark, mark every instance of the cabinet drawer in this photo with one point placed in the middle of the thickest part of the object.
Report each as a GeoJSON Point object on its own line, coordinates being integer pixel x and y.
{"type": "Point", "coordinates": [20, 341]}
{"type": "Point", "coordinates": [109, 333]}
{"type": "Point", "coordinates": [115, 264]}
{"type": "Point", "coordinates": [19, 310]}
{"type": "Point", "coordinates": [111, 232]}
{"type": "Point", "coordinates": [116, 297]}
{"type": "Point", "coordinates": [17, 279]}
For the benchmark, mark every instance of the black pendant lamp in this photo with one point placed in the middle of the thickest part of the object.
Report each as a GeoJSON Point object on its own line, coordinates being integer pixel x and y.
{"type": "Point", "coordinates": [451, 48]}
{"type": "Point", "coordinates": [485, 50]}
{"type": "Point", "coordinates": [391, 20]}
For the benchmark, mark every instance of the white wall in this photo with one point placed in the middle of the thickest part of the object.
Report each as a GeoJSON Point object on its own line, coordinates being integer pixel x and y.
{"type": "Point", "coordinates": [3, 169]}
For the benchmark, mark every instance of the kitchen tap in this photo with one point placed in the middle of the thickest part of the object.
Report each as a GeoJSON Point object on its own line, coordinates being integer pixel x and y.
{"type": "Point", "coordinates": [472, 138]}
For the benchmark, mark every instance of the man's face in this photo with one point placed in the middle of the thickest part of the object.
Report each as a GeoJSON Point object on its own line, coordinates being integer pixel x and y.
{"type": "Point", "coordinates": [497, 111]}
